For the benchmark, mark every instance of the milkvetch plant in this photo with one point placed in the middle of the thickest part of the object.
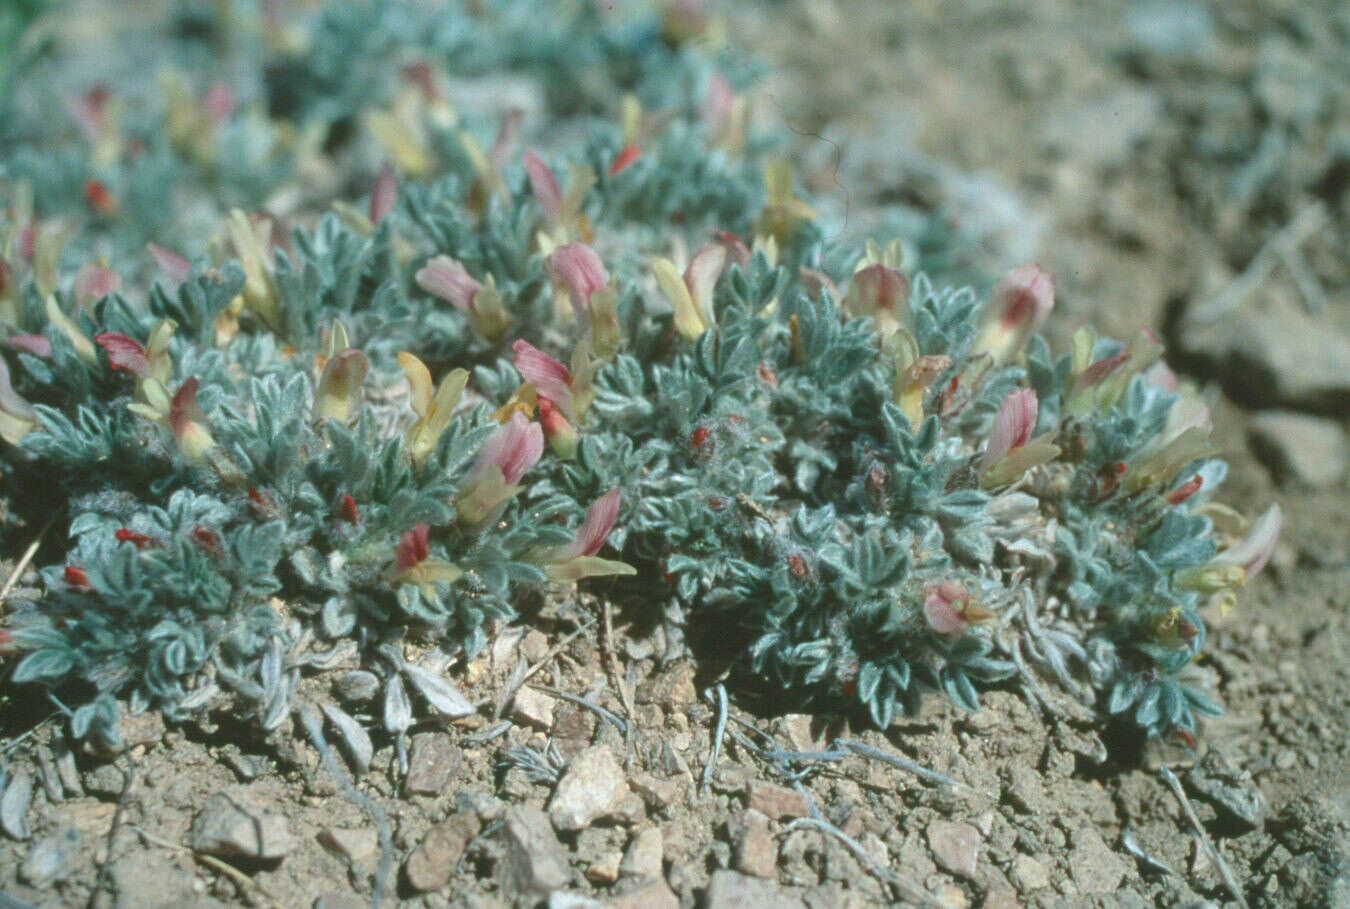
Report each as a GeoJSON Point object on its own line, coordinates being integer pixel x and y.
{"type": "Point", "coordinates": [277, 451]}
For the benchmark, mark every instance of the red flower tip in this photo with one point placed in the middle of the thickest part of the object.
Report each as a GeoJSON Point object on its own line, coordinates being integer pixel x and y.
{"type": "Point", "coordinates": [124, 353]}
{"type": "Point", "coordinates": [170, 262]}
{"type": "Point", "coordinates": [383, 194]}
{"type": "Point", "coordinates": [544, 186]}
{"type": "Point", "coordinates": [737, 252]}
{"type": "Point", "coordinates": [183, 409]}
{"type": "Point", "coordinates": [412, 547]}
{"type": "Point", "coordinates": [1098, 371]}
{"type": "Point", "coordinates": [139, 540]}
{"type": "Point", "coordinates": [76, 577]}
{"type": "Point", "coordinates": [699, 437]}
{"type": "Point", "coordinates": [37, 345]}
{"type": "Point", "coordinates": [99, 197]}
{"type": "Point", "coordinates": [626, 156]}
{"type": "Point", "coordinates": [206, 538]}
{"type": "Point", "coordinates": [262, 503]}
{"type": "Point", "coordinates": [1185, 490]}
{"type": "Point", "coordinates": [219, 102]}
{"type": "Point", "coordinates": [347, 509]}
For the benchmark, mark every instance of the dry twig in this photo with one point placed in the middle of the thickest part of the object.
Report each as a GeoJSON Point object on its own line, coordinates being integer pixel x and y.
{"type": "Point", "coordinates": [517, 684]}
{"type": "Point", "coordinates": [242, 880]}
{"type": "Point", "coordinates": [1211, 850]}
{"type": "Point", "coordinates": [25, 559]}
{"type": "Point", "coordinates": [101, 882]}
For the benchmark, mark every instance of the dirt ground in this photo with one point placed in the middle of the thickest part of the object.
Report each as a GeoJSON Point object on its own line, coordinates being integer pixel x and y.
{"type": "Point", "coordinates": [1126, 148]}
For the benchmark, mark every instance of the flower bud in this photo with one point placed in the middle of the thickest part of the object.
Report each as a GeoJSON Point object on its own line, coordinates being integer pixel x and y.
{"type": "Point", "coordinates": [339, 393]}
{"type": "Point", "coordinates": [1021, 302]}
{"type": "Point", "coordinates": [188, 423]}
{"type": "Point", "coordinates": [577, 269]}
{"type": "Point", "coordinates": [561, 435]}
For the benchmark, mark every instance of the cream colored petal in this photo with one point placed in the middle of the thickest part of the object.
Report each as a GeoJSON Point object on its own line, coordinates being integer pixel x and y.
{"type": "Point", "coordinates": [447, 396]}
{"type": "Point", "coordinates": [83, 346]}
{"type": "Point", "coordinates": [588, 567]}
{"type": "Point", "coordinates": [688, 322]}
{"type": "Point", "coordinates": [419, 382]}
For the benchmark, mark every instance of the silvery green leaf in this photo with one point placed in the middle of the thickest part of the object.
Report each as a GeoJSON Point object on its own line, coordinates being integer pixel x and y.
{"type": "Point", "coordinates": [443, 697]}
{"type": "Point", "coordinates": [200, 697]}
{"type": "Point", "coordinates": [270, 673]}
{"type": "Point", "coordinates": [397, 708]}
{"type": "Point", "coordinates": [277, 708]}
{"type": "Point", "coordinates": [355, 742]}
{"type": "Point", "coordinates": [357, 686]}
{"type": "Point", "coordinates": [340, 654]}
{"type": "Point", "coordinates": [306, 562]}
{"type": "Point", "coordinates": [14, 804]}
{"type": "Point", "coordinates": [51, 781]}
{"type": "Point", "coordinates": [338, 617]}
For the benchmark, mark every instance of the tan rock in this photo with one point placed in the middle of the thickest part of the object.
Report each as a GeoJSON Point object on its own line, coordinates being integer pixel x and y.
{"type": "Point", "coordinates": [774, 802]}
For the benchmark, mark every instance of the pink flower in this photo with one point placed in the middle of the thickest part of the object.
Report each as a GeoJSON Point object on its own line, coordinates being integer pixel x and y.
{"type": "Point", "coordinates": [26, 242]}
{"type": "Point", "coordinates": [37, 345]}
{"type": "Point", "coordinates": [506, 137]}
{"type": "Point", "coordinates": [17, 418]}
{"type": "Point", "coordinates": [737, 252]}
{"type": "Point", "coordinates": [412, 564]}
{"type": "Point", "coordinates": [1098, 371]}
{"type": "Point", "coordinates": [513, 448]}
{"type": "Point", "coordinates": [878, 291]}
{"type": "Point", "coordinates": [173, 265]}
{"type": "Point", "coordinates": [949, 609]}
{"type": "Point", "coordinates": [944, 607]}
{"type": "Point", "coordinates": [1013, 425]}
{"type": "Point", "coordinates": [814, 282]}
{"type": "Point", "coordinates": [562, 436]}
{"type": "Point", "coordinates": [412, 548]}
{"type": "Point", "coordinates": [1161, 376]}
{"type": "Point", "coordinates": [446, 278]}
{"type": "Point", "coordinates": [219, 101]}
{"type": "Point", "coordinates": [549, 377]}
{"type": "Point", "coordinates": [577, 559]}
{"type": "Point", "coordinates": [544, 186]}
{"type": "Point", "coordinates": [383, 194]}
{"type": "Point", "coordinates": [701, 275]}
{"type": "Point", "coordinates": [124, 353]}
{"type": "Point", "coordinates": [93, 283]}
{"type": "Point", "coordinates": [11, 402]}
{"type": "Point", "coordinates": [1021, 302]}
{"type": "Point", "coordinates": [1025, 296]}
{"type": "Point", "coordinates": [577, 268]}
{"type": "Point", "coordinates": [1254, 550]}
{"type": "Point", "coordinates": [90, 111]}
{"type": "Point", "coordinates": [691, 295]}
{"type": "Point", "coordinates": [188, 423]}
{"type": "Point", "coordinates": [717, 103]}
{"type": "Point", "coordinates": [591, 535]}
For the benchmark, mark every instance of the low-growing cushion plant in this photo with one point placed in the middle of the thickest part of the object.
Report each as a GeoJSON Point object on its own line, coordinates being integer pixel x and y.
{"type": "Point", "coordinates": [412, 422]}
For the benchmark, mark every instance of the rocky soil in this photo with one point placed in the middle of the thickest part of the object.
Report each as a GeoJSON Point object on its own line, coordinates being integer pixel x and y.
{"type": "Point", "coordinates": [1183, 167]}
